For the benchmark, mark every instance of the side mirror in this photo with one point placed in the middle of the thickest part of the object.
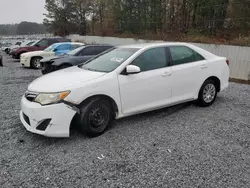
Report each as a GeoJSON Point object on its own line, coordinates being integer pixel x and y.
{"type": "Point", "coordinates": [132, 69]}
{"type": "Point", "coordinates": [37, 45]}
{"type": "Point", "coordinates": [55, 50]}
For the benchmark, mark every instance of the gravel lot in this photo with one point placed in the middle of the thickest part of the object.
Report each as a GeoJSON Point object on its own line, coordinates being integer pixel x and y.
{"type": "Point", "coordinates": [183, 146]}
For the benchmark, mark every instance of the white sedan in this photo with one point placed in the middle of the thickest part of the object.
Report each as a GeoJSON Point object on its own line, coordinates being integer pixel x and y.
{"type": "Point", "coordinates": [121, 82]}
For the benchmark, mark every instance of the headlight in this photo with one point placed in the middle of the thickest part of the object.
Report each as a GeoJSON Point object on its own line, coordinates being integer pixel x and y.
{"type": "Point", "coordinates": [51, 98]}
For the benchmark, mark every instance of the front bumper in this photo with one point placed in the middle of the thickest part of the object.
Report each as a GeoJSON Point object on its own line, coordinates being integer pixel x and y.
{"type": "Point", "coordinates": [47, 67]}
{"type": "Point", "coordinates": [32, 115]}
{"type": "Point", "coordinates": [25, 62]}
{"type": "Point", "coordinates": [14, 55]}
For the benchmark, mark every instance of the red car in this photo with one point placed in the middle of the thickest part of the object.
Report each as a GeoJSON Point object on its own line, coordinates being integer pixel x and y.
{"type": "Point", "coordinates": [40, 45]}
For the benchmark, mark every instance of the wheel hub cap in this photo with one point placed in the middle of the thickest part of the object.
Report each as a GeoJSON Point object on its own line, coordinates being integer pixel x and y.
{"type": "Point", "coordinates": [98, 116]}
{"type": "Point", "coordinates": [209, 93]}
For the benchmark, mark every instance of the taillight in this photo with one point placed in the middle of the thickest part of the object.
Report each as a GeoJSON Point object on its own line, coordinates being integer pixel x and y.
{"type": "Point", "coordinates": [227, 61]}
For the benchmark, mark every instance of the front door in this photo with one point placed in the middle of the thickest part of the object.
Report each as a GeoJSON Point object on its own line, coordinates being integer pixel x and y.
{"type": "Point", "coordinates": [149, 89]}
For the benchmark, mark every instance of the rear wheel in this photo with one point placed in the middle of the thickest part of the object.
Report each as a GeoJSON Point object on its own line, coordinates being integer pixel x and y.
{"type": "Point", "coordinates": [95, 117]}
{"type": "Point", "coordinates": [207, 94]}
{"type": "Point", "coordinates": [35, 62]}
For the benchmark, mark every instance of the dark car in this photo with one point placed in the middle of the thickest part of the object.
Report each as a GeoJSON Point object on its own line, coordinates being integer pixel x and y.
{"type": "Point", "coordinates": [1, 60]}
{"type": "Point", "coordinates": [75, 57]}
{"type": "Point", "coordinates": [40, 45]}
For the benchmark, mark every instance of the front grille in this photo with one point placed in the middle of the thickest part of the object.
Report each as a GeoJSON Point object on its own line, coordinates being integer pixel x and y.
{"type": "Point", "coordinates": [30, 96]}
{"type": "Point", "coordinates": [43, 125]}
{"type": "Point", "coordinates": [26, 118]}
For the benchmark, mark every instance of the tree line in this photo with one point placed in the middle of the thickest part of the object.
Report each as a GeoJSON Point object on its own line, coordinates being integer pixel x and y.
{"type": "Point", "coordinates": [161, 17]}
{"type": "Point", "coordinates": [23, 28]}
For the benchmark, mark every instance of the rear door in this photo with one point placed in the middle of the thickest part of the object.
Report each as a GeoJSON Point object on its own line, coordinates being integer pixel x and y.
{"type": "Point", "coordinates": [187, 72]}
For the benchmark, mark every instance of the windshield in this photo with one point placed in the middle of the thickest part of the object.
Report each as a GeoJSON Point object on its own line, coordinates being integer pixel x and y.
{"type": "Point", "coordinates": [109, 60]}
{"type": "Point", "coordinates": [30, 43]}
{"type": "Point", "coordinates": [49, 49]}
{"type": "Point", "coordinates": [34, 43]}
{"type": "Point", "coordinates": [75, 51]}
{"type": "Point", "coordinates": [25, 44]}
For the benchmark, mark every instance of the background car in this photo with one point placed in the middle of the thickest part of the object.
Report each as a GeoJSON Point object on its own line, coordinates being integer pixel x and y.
{"type": "Point", "coordinates": [1, 60]}
{"type": "Point", "coordinates": [72, 58]}
{"type": "Point", "coordinates": [40, 45]}
{"type": "Point", "coordinates": [32, 59]}
{"type": "Point", "coordinates": [24, 44]}
{"type": "Point", "coordinates": [5, 46]}
{"type": "Point", "coordinates": [15, 44]}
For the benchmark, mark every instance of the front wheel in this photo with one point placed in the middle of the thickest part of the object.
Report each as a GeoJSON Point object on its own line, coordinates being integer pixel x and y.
{"type": "Point", "coordinates": [95, 117]}
{"type": "Point", "coordinates": [207, 94]}
{"type": "Point", "coordinates": [35, 62]}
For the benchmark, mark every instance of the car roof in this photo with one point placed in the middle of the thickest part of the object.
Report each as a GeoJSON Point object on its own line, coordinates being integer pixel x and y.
{"type": "Point", "coordinates": [71, 43]}
{"type": "Point", "coordinates": [201, 51]}
{"type": "Point", "coordinates": [99, 45]}
{"type": "Point", "coordinates": [147, 45]}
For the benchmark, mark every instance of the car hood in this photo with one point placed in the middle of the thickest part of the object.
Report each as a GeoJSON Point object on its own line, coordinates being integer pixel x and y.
{"type": "Point", "coordinates": [63, 80]}
{"type": "Point", "coordinates": [37, 53]}
{"type": "Point", "coordinates": [48, 59]}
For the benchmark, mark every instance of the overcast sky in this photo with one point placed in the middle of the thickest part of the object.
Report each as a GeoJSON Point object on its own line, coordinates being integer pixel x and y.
{"type": "Point", "coordinates": [15, 11]}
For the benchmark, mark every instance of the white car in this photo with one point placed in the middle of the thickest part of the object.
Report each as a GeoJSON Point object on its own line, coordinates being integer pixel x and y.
{"type": "Point", "coordinates": [32, 59]}
{"type": "Point", "coordinates": [121, 82]}
{"type": "Point", "coordinates": [23, 44]}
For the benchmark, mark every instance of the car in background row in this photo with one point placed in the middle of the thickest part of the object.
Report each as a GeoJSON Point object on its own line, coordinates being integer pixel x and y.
{"type": "Point", "coordinates": [32, 59]}
{"type": "Point", "coordinates": [72, 58]}
{"type": "Point", "coordinates": [15, 44]}
{"type": "Point", "coordinates": [5, 46]}
{"type": "Point", "coordinates": [1, 60]}
{"type": "Point", "coordinates": [24, 44]}
{"type": "Point", "coordinates": [120, 82]}
{"type": "Point", "coordinates": [40, 45]}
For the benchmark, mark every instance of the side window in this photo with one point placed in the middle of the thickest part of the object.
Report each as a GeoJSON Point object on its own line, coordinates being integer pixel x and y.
{"type": "Point", "coordinates": [88, 51]}
{"type": "Point", "coordinates": [182, 55]}
{"type": "Point", "coordinates": [151, 59]}
{"type": "Point", "coordinates": [197, 56]}
{"type": "Point", "coordinates": [43, 42]}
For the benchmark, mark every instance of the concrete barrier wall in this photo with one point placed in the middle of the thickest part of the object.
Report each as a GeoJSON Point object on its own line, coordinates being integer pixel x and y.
{"type": "Point", "coordinates": [238, 56]}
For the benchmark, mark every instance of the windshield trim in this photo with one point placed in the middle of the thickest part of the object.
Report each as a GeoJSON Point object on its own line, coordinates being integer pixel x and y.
{"type": "Point", "coordinates": [97, 56]}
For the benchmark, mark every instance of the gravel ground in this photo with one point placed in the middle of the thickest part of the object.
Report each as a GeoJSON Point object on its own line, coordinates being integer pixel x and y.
{"type": "Point", "coordinates": [183, 146]}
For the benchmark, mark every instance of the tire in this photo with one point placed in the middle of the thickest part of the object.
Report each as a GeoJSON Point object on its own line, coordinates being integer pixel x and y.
{"type": "Point", "coordinates": [95, 117]}
{"type": "Point", "coordinates": [45, 72]}
{"type": "Point", "coordinates": [35, 63]}
{"type": "Point", "coordinates": [207, 94]}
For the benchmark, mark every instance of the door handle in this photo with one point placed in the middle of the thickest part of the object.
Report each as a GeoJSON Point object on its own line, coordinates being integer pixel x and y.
{"type": "Point", "coordinates": [166, 74]}
{"type": "Point", "coordinates": [204, 66]}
